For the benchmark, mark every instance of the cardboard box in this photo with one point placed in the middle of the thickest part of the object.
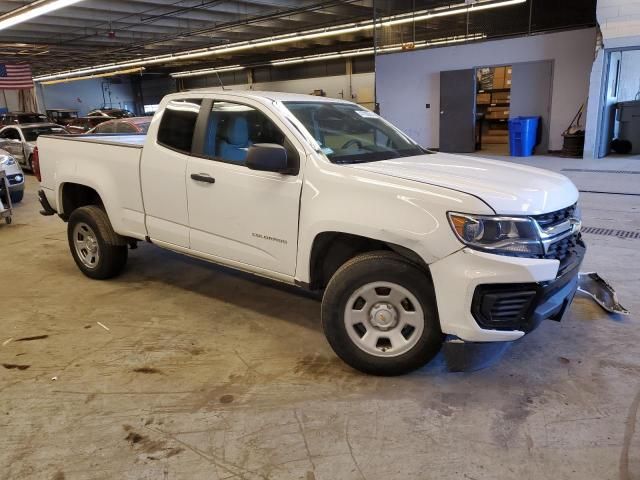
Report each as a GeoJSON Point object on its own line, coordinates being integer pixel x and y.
{"type": "Point", "coordinates": [497, 113]}
{"type": "Point", "coordinates": [499, 77]}
{"type": "Point", "coordinates": [483, 99]}
{"type": "Point", "coordinates": [507, 77]}
{"type": "Point", "coordinates": [500, 97]}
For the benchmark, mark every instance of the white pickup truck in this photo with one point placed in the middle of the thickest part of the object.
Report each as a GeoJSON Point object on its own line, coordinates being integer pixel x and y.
{"type": "Point", "coordinates": [408, 246]}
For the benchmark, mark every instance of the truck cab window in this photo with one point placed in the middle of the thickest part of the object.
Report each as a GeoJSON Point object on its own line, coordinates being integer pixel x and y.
{"type": "Point", "coordinates": [177, 124]}
{"type": "Point", "coordinates": [234, 127]}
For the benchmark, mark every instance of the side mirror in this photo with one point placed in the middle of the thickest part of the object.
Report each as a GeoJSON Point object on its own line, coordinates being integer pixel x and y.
{"type": "Point", "coordinates": [267, 157]}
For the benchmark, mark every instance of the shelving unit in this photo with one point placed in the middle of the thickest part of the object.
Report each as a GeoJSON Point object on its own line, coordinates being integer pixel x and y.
{"type": "Point", "coordinates": [492, 105]}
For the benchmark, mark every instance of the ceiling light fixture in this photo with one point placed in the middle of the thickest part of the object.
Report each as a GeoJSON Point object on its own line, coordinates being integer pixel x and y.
{"type": "Point", "coordinates": [332, 55]}
{"type": "Point", "coordinates": [98, 75]}
{"type": "Point", "coordinates": [32, 10]}
{"type": "Point", "coordinates": [286, 38]}
{"type": "Point", "coordinates": [207, 71]}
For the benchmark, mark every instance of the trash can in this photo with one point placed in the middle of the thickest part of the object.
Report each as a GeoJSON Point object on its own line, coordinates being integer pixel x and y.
{"type": "Point", "coordinates": [628, 117]}
{"type": "Point", "coordinates": [523, 134]}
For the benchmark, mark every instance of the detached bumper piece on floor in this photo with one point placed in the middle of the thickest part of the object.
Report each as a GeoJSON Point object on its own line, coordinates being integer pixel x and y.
{"type": "Point", "coordinates": [592, 284]}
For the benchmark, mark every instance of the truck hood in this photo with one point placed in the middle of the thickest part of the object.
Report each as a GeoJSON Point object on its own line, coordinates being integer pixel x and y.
{"type": "Point", "coordinates": [506, 187]}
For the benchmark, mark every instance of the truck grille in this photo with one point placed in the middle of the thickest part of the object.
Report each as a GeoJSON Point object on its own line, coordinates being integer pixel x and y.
{"type": "Point", "coordinates": [567, 250]}
{"type": "Point", "coordinates": [547, 220]}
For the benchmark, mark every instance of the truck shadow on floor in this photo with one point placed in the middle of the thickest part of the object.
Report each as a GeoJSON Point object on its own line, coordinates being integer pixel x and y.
{"type": "Point", "coordinates": [226, 285]}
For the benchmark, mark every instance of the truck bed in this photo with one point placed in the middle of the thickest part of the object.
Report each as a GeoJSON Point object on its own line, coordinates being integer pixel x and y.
{"type": "Point", "coordinates": [109, 164]}
{"type": "Point", "coordinates": [136, 141]}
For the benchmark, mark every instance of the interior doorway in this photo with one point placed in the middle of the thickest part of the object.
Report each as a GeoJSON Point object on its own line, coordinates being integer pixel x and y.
{"type": "Point", "coordinates": [476, 105]}
{"type": "Point", "coordinates": [493, 102]}
{"type": "Point", "coordinates": [509, 91]}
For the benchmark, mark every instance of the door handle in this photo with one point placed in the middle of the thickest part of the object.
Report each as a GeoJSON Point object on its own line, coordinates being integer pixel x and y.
{"type": "Point", "coordinates": [202, 177]}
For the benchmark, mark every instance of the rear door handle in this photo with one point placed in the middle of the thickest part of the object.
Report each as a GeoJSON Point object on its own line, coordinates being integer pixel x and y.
{"type": "Point", "coordinates": [202, 177]}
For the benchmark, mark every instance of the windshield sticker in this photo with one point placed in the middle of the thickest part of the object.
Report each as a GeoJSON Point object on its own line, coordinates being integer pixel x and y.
{"type": "Point", "coordinates": [327, 150]}
{"type": "Point", "coordinates": [366, 114]}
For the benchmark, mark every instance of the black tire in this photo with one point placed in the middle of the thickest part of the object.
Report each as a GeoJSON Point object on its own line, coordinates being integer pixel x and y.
{"type": "Point", "coordinates": [111, 246]}
{"type": "Point", "coordinates": [17, 196]}
{"type": "Point", "coordinates": [381, 266]}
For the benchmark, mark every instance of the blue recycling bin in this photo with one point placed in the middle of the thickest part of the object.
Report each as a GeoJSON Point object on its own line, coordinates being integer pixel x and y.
{"type": "Point", "coordinates": [523, 134]}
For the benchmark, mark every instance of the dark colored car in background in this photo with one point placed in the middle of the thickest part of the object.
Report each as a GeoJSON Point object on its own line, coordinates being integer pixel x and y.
{"type": "Point", "coordinates": [133, 125]}
{"type": "Point", "coordinates": [61, 116]}
{"type": "Point", "coordinates": [12, 118]}
{"type": "Point", "coordinates": [110, 112]}
{"type": "Point", "coordinates": [84, 124]}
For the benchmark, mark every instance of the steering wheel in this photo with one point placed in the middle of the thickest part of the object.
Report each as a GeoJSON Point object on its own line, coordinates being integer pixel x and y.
{"type": "Point", "coordinates": [353, 141]}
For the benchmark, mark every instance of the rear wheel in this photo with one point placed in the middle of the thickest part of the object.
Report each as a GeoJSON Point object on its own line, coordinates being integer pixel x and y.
{"type": "Point", "coordinates": [99, 252]}
{"type": "Point", "coordinates": [379, 314]}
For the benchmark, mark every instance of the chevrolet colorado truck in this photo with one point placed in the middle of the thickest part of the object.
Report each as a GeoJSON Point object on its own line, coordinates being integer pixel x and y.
{"type": "Point", "coordinates": [407, 246]}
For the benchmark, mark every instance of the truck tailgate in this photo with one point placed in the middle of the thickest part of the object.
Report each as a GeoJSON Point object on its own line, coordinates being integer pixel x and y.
{"type": "Point", "coordinates": [108, 164]}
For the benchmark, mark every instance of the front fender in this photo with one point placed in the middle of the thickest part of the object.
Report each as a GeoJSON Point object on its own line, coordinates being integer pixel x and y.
{"type": "Point", "coordinates": [337, 198]}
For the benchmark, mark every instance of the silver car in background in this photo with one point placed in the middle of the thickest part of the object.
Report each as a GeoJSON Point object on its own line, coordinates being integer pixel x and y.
{"type": "Point", "coordinates": [14, 176]}
{"type": "Point", "coordinates": [20, 140]}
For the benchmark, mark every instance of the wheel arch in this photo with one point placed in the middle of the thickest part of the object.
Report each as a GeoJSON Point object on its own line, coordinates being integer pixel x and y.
{"type": "Point", "coordinates": [331, 249]}
{"type": "Point", "coordinates": [75, 195]}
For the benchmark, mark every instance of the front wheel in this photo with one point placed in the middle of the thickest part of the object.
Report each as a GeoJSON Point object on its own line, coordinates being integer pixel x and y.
{"type": "Point", "coordinates": [379, 314]}
{"type": "Point", "coordinates": [99, 252]}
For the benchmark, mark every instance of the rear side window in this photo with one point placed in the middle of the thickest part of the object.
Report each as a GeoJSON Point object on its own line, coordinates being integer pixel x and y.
{"type": "Point", "coordinates": [178, 123]}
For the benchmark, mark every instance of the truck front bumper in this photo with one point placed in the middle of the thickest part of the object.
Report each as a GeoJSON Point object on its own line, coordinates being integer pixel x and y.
{"type": "Point", "coordinates": [484, 297]}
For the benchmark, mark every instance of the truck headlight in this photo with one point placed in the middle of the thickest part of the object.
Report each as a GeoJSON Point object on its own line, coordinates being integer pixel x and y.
{"type": "Point", "coordinates": [497, 234]}
{"type": "Point", "coordinates": [7, 160]}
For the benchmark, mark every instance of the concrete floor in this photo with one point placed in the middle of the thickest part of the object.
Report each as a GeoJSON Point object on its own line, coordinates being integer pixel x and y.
{"type": "Point", "coordinates": [206, 374]}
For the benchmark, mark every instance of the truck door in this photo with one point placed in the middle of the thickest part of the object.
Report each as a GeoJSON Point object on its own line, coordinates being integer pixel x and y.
{"type": "Point", "coordinates": [162, 173]}
{"type": "Point", "coordinates": [247, 217]}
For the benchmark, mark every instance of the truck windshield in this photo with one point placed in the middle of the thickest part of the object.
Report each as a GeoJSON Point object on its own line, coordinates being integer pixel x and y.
{"type": "Point", "coordinates": [348, 133]}
{"type": "Point", "coordinates": [32, 134]}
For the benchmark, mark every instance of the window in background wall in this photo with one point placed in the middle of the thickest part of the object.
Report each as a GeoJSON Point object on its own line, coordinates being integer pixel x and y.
{"type": "Point", "coordinates": [149, 109]}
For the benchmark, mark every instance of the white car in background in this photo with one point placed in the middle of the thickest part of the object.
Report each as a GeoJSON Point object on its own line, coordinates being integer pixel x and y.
{"type": "Point", "coordinates": [20, 140]}
{"type": "Point", "coordinates": [14, 176]}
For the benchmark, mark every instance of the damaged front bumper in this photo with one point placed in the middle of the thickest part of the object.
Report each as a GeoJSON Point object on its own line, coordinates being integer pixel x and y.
{"type": "Point", "coordinates": [493, 298]}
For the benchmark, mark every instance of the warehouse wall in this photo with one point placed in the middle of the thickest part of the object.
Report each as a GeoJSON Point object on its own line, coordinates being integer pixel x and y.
{"type": "Point", "coordinates": [619, 22]}
{"type": "Point", "coordinates": [339, 86]}
{"type": "Point", "coordinates": [85, 95]}
{"type": "Point", "coordinates": [403, 97]}
{"type": "Point", "coordinates": [360, 86]}
{"type": "Point", "coordinates": [154, 88]}
{"type": "Point", "coordinates": [9, 100]}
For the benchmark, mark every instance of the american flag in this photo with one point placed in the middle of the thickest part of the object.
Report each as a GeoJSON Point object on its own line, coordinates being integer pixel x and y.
{"type": "Point", "coordinates": [14, 76]}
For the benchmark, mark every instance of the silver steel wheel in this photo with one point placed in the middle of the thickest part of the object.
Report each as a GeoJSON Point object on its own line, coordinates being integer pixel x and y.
{"type": "Point", "coordinates": [86, 245]}
{"type": "Point", "coordinates": [384, 319]}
